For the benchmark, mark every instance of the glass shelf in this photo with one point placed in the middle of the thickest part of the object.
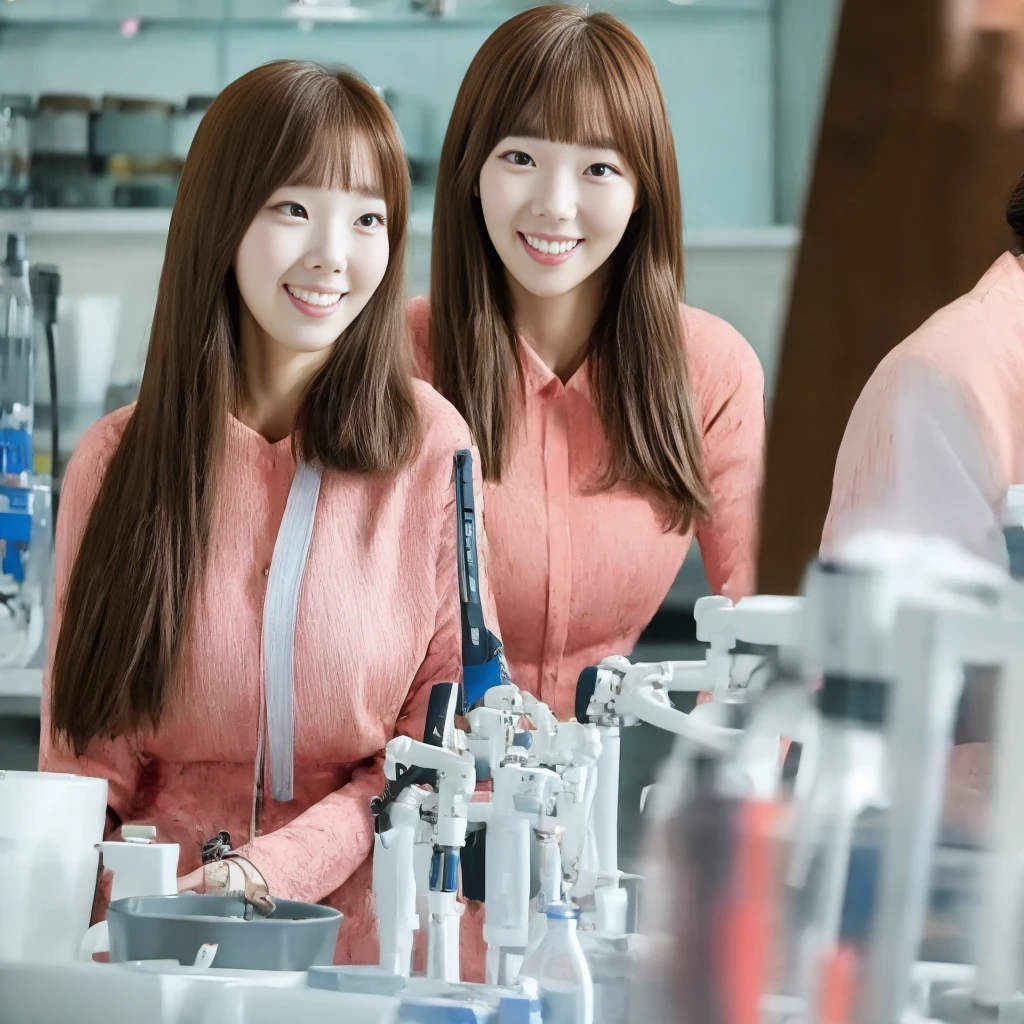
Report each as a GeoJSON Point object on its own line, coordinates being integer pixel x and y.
{"type": "Point", "coordinates": [214, 14]}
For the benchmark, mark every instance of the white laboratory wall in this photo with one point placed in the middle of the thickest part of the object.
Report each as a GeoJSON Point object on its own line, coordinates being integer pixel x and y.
{"type": "Point", "coordinates": [716, 67]}
{"type": "Point", "coordinates": [805, 42]}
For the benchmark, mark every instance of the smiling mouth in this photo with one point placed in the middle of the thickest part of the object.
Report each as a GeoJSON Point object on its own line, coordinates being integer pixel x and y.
{"type": "Point", "coordinates": [550, 248]}
{"type": "Point", "coordinates": [558, 251]}
{"type": "Point", "coordinates": [321, 299]}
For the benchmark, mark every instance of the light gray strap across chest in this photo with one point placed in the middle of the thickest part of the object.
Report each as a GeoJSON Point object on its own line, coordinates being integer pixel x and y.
{"type": "Point", "coordinates": [280, 612]}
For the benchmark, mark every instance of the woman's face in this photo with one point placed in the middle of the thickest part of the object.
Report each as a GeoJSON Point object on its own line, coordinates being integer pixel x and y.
{"type": "Point", "coordinates": [310, 261]}
{"type": "Point", "coordinates": [555, 212]}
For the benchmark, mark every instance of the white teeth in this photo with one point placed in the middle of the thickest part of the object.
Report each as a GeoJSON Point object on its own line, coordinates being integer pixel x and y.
{"type": "Point", "coordinates": [314, 298]}
{"type": "Point", "coordinates": [556, 248]}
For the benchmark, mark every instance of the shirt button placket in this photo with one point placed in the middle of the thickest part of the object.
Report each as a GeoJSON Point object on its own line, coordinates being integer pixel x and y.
{"type": "Point", "coordinates": [556, 470]}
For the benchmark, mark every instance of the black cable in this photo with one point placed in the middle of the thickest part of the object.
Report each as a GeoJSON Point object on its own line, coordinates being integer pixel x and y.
{"type": "Point", "coordinates": [44, 282]}
{"type": "Point", "coordinates": [51, 356]}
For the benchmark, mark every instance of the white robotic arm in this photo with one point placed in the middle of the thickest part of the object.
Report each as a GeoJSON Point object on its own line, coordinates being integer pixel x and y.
{"type": "Point", "coordinates": [394, 876]}
{"type": "Point", "coordinates": [523, 802]}
{"type": "Point", "coordinates": [625, 694]}
{"type": "Point", "coordinates": [450, 772]}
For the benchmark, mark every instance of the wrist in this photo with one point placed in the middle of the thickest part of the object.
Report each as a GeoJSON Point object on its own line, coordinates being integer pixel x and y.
{"type": "Point", "coordinates": [238, 876]}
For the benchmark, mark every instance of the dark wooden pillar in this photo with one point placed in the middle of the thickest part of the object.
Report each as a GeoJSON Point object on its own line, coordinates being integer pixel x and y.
{"type": "Point", "coordinates": [905, 213]}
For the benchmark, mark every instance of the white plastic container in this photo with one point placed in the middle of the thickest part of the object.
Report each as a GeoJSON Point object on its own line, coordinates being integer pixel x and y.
{"type": "Point", "coordinates": [141, 867]}
{"type": "Point", "coordinates": [50, 826]}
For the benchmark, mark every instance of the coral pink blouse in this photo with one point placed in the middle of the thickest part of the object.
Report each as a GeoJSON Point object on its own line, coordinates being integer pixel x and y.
{"type": "Point", "coordinates": [576, 576]}
{"type": "Point", "coordinates": [378, 624]}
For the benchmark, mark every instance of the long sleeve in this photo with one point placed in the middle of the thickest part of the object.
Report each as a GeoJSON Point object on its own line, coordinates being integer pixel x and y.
{"type": "Point", "coordinates": [115, 760]}
{"type": "Point", "coordinates": [734, 431]}
{"type": "Point", "coordinates": [916, 456]}
{"type": "Point", "coordinates": [317, 852]}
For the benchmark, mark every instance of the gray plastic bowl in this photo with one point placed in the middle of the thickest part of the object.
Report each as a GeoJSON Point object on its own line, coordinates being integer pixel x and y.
{"type": "Point", "coordinates": [295, 937]}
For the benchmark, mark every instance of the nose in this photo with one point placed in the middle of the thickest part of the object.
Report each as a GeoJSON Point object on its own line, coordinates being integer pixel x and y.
{"type": "Point", "coordinates": [329, 252]}
{"type": "Point", "coordinates": [556, 195]}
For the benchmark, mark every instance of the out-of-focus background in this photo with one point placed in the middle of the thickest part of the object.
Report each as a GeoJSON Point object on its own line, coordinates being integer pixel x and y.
{"type": "Point", "coordinates": [99, 100]}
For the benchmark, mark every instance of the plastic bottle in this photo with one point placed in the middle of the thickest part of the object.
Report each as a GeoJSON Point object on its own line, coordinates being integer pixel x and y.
{"type": "Point", "coordinates": [560, 969]}
{"type": "Point", "coordinates": [17, 373]}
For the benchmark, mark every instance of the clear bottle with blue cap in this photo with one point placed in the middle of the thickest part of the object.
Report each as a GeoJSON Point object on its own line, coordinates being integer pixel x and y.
{"type": "Point", "coordinates": [17, 376]}
{"type": "Point", "coordinates": [560, 969]}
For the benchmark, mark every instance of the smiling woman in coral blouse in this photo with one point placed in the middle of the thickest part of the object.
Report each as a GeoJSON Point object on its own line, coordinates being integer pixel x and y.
{"type": "Point", "coordinates": [256, 578]}
{"type": "Point", "coordinates": [613, 422]}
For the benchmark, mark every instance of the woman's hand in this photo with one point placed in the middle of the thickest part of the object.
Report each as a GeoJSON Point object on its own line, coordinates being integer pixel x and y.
{"type": "Point", "coordinates": [231, 875]}
{"type": "Point", "coordinates": [194, 881]}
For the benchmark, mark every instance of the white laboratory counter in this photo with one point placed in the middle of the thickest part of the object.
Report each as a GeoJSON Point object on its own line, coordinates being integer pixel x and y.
{"type": "Point", "coordinates": [102, 993]}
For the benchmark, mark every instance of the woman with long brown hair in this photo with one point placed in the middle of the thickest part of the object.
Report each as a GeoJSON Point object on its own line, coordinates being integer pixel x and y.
{"type": "Point", "coordinates": [613, 422]}
{"type": "Point", "coordinates": [256, 578]}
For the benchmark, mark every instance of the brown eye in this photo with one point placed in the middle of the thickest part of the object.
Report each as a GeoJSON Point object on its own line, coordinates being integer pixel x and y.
{"type": "Point", "coordinates": [518, 158]}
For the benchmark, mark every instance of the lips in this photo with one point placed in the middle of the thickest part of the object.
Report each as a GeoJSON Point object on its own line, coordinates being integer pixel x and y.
{"type": "Point", "coordinates": [564, 249]}
{"type": "Point", "coordinates": [550, 246]}
{"type": "Point", "coordinates": [314, 303]}
{"type": "Point", "coordinates": [313, 296]}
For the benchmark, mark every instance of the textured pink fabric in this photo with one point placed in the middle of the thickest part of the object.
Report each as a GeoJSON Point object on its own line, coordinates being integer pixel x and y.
{"type": "Point", "coordinates": [378, 624]}
{"type": "Point", "coordinates": [576, 574]}
{"type": "Point", "coordinates": [933, 443]}
{"type": "Point", "coordinates": [937, 435]}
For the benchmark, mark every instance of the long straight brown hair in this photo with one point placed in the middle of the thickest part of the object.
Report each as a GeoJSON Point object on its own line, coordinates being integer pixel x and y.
{"type": "Point", "coordinates": [144, 547]}
{"type": "Point", "coordinates": [556, 73]}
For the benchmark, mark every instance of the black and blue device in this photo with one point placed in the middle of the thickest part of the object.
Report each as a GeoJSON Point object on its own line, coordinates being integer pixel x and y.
{"type": "Point", "coordinates": [439, 721]}
{"type": "Point", "coordinates": [483, 661]}
{"type": "Point", "coordinates": [483, 664]}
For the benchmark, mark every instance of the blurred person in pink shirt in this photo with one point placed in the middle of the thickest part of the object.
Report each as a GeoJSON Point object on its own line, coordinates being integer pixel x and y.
{"type": "Point", "coordinates": [936, 438]}
{"type": "Point", "coordinates": [614, 423]}
{"type": "Point", "coordinates": [934, 442]}
{"type": "Point", "coordinates": [256, 576]}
